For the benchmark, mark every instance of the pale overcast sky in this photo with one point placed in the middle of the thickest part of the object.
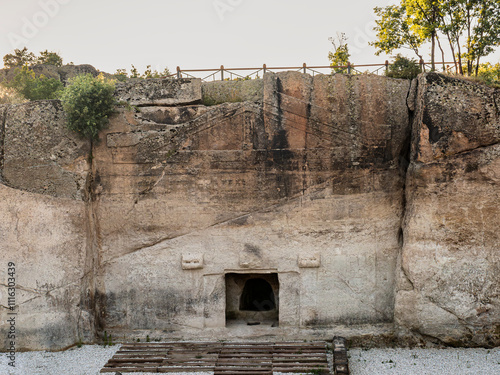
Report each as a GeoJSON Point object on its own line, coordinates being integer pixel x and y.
{"type": "Point", "coordinates": [111, 34]}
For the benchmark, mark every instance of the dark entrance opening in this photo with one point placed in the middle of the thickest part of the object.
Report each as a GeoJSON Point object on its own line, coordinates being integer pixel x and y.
{"type": "Point", "coordinates": [257, 295]}
{"type": "Point", "coordinates": [252, 299]}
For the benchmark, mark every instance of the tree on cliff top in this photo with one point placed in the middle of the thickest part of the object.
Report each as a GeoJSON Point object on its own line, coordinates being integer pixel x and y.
{"type": "Point", "coordinates": [49, 58]}
{"type": "Point", "coordinates": [31, 87]}
{"type": "Point", "coordinates": [21, 57]}
{"type": "Point", "coordinates": [340, 55]}
{"type": "Point", "coordinates": [472, 28]}
{"type": "Point", "coordinates": [88, 102]}
{"type": "Point", "coordinates": [394, 31]}
{"type": "Point", "coordinates": [403, 67]}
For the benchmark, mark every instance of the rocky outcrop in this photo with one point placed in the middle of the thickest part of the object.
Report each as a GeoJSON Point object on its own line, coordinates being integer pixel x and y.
{"type": "Point", "coordinates": [63, 73]}
{"type": "Point", "coordinates": [369, 203]}
{"type": "Point", "coordinates": [46, 239]}
{"type": "Point", "coordinates": [219, 92]}
{"type": "Point", "coordinates": [40, 154]}
{"type": "Point", "coordinates": [166, 92]}
{"type": "Point", "coordinates": [313, 169]}
{"type": "Point", "coordinates": [448, 289]}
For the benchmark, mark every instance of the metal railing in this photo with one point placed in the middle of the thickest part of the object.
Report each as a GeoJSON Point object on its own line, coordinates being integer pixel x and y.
{"type": "Point", "coordinates": [223, 73]}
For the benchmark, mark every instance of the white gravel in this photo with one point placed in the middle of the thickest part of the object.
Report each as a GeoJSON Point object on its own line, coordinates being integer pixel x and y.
{"type": "Point", "coordinates": [89, 359]}
{"type": "Point", "coordinates": [424, 361]}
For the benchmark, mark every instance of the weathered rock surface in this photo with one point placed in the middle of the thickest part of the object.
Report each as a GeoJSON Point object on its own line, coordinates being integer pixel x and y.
{"type": "Point", "coordinates": [63, 73]}
{"type": "Point", "coordinates": [3, 114]}
{"type": "Point", "coordinates": [40, 154]}
{"type": "Point", "coordinates": [219, 92]}
{"type": "Point", "coordinates": [147, 92]}
{"type": "Point", "coordinates": [449, 288]}
{"type": "Point", "coordinates": [309, 181]}
{"type": "Point", "coordinates": [46, 238]}
{"type": "Point", "coordinates": [252, 187]}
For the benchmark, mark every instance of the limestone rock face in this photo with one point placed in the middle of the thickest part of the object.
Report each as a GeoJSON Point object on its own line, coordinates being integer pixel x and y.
{"type": "Point", "coordinates": [314, 169]}
{"type": "Point", "coordinates": [3, 113]}
{"type": "Point", "coordinates": [46, 239]}
{"type": "Point", "coordinates": [366, 204]}
{"type": "Point", "coordinates": [147, 92]}
{"type": "Point", "coordinates": [219, 92]}
{"type": "Point", "coordinates": [63, 73]}
{"type": "Point", "coordinates": [40, 154]}
{"type": "Point", "coordinates": [450, 261]}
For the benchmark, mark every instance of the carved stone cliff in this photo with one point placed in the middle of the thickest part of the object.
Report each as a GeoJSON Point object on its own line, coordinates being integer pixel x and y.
{"type": "Point", "coordinates": [368, 203]}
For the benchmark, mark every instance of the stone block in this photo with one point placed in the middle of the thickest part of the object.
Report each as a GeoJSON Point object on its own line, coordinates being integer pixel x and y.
{"type": "Point", "coordinates": [41, 154]}
{"type": "Point", "coordinates": [309, 261]}
{"type": "Point", "coordinates": [158, 91]}
{"type": "Point", "coordinates": [192, 261]}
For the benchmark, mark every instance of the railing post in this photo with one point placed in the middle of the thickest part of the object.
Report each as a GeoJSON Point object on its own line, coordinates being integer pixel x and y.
{"type": "Point", "coordinates": [264, 67]}
{"type": "Point", "coordinates": [304, 67]}
{"type": "Point", "coordinates": [222, 72]}
{"type": "Point", "coordinates": [348, 68]}
{"type": "Point", "coordinates": [178, 72]}
{"type": "Point", "coordinates": [422, 65]}
{"type": "Point", "coordinates": [386, 66]}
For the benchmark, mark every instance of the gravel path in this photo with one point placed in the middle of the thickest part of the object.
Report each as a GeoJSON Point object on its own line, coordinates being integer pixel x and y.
{"type": "Point", "coordinates": [89, 359]}
{"type": "Point", "coordinates": [424, 361]}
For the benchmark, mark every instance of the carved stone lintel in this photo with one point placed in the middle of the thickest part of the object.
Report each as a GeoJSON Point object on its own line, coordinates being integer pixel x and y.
{"type": "Point", "coordinates": [192, 261]}
{"type": "Point", "coordinates": [309, 260]}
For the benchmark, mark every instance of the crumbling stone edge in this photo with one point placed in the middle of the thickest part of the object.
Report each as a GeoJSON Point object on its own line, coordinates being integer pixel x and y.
{"type": "Point", "coordinates": [340, 360]}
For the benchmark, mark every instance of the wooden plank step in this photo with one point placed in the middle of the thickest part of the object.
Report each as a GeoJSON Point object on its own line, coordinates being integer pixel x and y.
{"type": "Point", "coordinates": [302, 355]}
{"type": "Point", "coordinates": [135, 360]}
{"type": "Point", "coordinates": [244, 355]}
{"type": "Point", "coordinates": [132, 365]}
{"type": "Point", "coordinates": [300, 360]}
{"type": "Point", "coordinates": [240, 360]}
{"type": "Point", "coordinates": [235, 368]}
{"type": "Point", "coordinates": [183, 369]}
{"type": "Point", "coordinates": [302, 371]}
{"type": "Point", "coordinates": [130, 369]}
{"type": "Point", "coordinates": [299, 365]}
{"type": "Point", "coordinates": [238, 372]}
{"type": "Point", "coordinates": [221, 358]}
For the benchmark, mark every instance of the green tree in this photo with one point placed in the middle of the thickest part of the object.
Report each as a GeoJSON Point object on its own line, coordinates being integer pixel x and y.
{"type": "Point", "coordinates": [19, 58]}
{"type": "Point", "coordinates": [403, 67]}
{"type": "Point", "coordinates": [148, 73]}
{"type": "Point", "coordinates": [49, 58]}
{"type": "Point", "coordinates": [490, 74]}
{"type": "Point", "coordinates": [121, 75]}
{"type": "Point", "coordinates": [452, 25]}
{"type": "Point", "coordinates": [31, 87]}
{"type": "Point", "coordinates": [10, 96]}
{"type": "Point", "coordinates": [339, 57]}
{"type": "Point", "coordinates": [472, 28]}
{"type": "Point", "coordinates": [134, 73]}
{"type": "Point", "coordinates": [394, 31]}
{"type": "Point", "coordinates": [166, 72]}
{"type": "Point", "coordinates": [424, 18]}
{"type": "Point", "coordinates": [482, 23]}
{"type": "Point", "coordinates": [154, 73]}
{"type": "Point", "coordinates": [88, 102]}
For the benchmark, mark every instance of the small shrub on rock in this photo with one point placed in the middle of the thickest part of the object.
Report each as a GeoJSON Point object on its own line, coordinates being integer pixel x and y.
{"type": "Point", "coordinates": [10, 96]}
{"type": "Point", "coordinates": [31, 87]}
{"type": "Point", "coordinates": [403, 67]}
{"type": "Point", "coordinates": [88, 102]}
